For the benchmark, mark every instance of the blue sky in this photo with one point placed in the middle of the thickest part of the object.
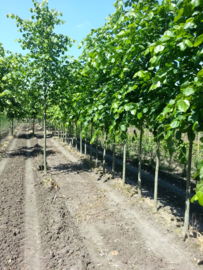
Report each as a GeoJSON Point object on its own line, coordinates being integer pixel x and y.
{"type": "Point", "coordinates": [80, 16]}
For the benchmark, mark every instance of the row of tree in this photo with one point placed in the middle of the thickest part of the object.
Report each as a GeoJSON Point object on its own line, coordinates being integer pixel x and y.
{"type": "Point", "coordinates": [143, 68]}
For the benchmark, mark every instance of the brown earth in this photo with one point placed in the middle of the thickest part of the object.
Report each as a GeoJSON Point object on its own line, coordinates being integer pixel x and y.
{"type": "Point", "coordinates": [75, 218]}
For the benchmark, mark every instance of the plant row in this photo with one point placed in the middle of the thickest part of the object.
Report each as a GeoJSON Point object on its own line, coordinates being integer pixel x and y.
{"type": "Point", "coordinates": [142, 69]}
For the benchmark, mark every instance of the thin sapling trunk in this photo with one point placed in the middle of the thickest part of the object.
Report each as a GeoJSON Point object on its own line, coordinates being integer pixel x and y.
{"type": "Point", "coordinates": [187, 198]}
{"type": "Point", "coordinates": [97, 151]}
{"type": "Point", "coordinates": [104, 153]}
{"type": "Point", "coordinates": [86, 144]}
{"type": "Point", "coordinates": [91, 144]}
{"type": "Point", "coordinates": [140, 164]}
{"type": "Point", "coordinates": [81, 139]}
{"type": "Point", "coordinates": [76, 138]}
{"type": "Point", "coordinates": [124, 162]}
{"type": "Point", "coordinates": [33, 127]}
{"type": "Point", "coordinates": [45, 156]}
{"type": "Point", "coordinates": [113, 158]}
{"type": "Point", "coordinates": [156, 176]}
{"type": "Point", "coordinates": [12, 126]}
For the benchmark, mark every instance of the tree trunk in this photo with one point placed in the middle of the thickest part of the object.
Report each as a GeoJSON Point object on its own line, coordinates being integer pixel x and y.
{"type": "Point", "coordinates": [76, 145]}
{"type": "Point", "coordinates": [91, 144]}
{"type": "Point", "coordinates": [72, 135]}
{"type": "Point", "coordinates": [33, 127]}
{"type": "Point", "coordinates": [156, 176]}
{"type": "Point", "coordinates": [104, 153]}
{"type": "Point", "coordinates": [113, 159]}
{"type": "Point", "coordinates": [81, 139]}
{"type": "Point", "coordinates": [97, 151]}
{"type": "Point", "coordinates": [140, 165]}
{"type": "Point", "coordinates": [64, 133]}
{"type": "Point", "coordinates": [124, 161]}
{"type": "Point", "coordinates": [187, 198]}
{"type": "Point", "coordinates": [86, 144]}
{"type": "Point", "coordinates": [12, 126]}
{"type": "Point", "coordinates": [45, 156]}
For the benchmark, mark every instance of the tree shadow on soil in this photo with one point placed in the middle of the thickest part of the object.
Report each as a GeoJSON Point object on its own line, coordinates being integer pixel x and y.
{"type": "Point", "coordinates": [4, 134]}
{"type": "Point", "coordinates": [172, 202]}
{"type": "Point", "coordinates": [67, 168]}
{"type": "Point", "coordinates": [27, 152]}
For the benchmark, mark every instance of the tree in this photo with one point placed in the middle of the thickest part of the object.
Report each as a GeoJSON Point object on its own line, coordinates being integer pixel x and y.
{"type": "Point", "coordinates": [46, 50]}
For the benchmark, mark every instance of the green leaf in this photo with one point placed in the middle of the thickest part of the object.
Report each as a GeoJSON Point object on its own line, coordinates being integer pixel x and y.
{"type": "Point", "coordinates": [198, 197]}
{"type": "Point", "coordinates": [178, 135]}
{"type": "Point", "coordinates": [198, 40]}
{"type": "Point", "coordinates": [189, 25]}
{"type": "Point", "coordinates": [159, 48]}
{"type": "Point", "coordinates": [175, 124]}
{"type": "Point", "coordinates": [153, 59]}
{"type": "Point", "coordinates": [195, 175]}
{"type": "Point", "coordinates": [169, 33]}
{"type": "Point", "coordinates": [127, 108]}
{"type": "Point", "coordinates": [139, 115]}
{"type": "Point", "coordinates": [195, 3]}
{"type": "Point", "coordinates": [200, 74]}
{"type": "Point", "coordinates": [133, 112]}
{"type": "Point", "coordinates": [123, 128]}
{"type": "Point", "coordinates": [139, 74]}
{"type": "Point", "coordinates": [183, 105]}
{"type": "Point", "coordinates": [168, 134]}
{"type": "Point", "coordinates": [146, 51]}
{"type": "Point", "coordinates": [172, 102]}
{"type": "Point", "coordinates": [182, 46]}
{"type": "Point", "coordinates": [180, 13]}
{"type": "Point", "coordinates": [188, 43]}
{"type": "Point", "coordinates": [188, 91]}
{"type": "Point", "coordinates": [194, 198]}
{"type": "Point", "coordinates": [166, 110]}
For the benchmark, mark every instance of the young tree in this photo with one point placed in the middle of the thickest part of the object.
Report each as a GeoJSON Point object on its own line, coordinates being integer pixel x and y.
{"type": "Point", "coordinates": [46, 49]}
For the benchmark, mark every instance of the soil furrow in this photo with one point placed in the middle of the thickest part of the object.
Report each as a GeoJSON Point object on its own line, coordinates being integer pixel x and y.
{"type": "Point", "coordinates": [5, 159]}
{"type": "Point", "coordinates": [62, 245]}
{"type": "Point", "coordinates": [32, 244]}
{"type": "Point", "coordinates": [12, 207]}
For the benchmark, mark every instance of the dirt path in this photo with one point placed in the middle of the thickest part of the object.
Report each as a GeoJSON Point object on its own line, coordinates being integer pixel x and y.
{"type": "Point", "coordinates": [76, 219]}
{"type": "Point", "coordinates": [32, 252]}
{"type": "Point", "coordinates": [12, 194]}
{"type": "Point", "coordinates": [119, 234]}
{"type": "Point", "coordinates": [18, 224]}
{"type": "Point", "coordinates": [5, 159]}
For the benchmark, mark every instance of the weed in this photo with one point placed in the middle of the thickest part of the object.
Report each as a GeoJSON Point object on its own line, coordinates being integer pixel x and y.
{"type": "Point", "coordinates": [50, 183]}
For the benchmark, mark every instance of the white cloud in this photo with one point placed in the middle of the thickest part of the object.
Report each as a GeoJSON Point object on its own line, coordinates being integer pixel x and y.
{"type": "Point", "coordinates": [83, 24]}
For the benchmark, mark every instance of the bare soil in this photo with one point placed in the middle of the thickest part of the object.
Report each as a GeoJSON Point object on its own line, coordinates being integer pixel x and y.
{"type": "Point", "coordinates": [74, 218]}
